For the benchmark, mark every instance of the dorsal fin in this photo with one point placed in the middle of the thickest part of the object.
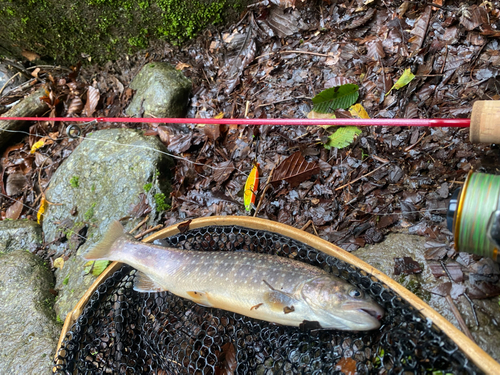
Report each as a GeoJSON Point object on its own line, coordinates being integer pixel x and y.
{"type": "Point", "coordinates": [143, 283]}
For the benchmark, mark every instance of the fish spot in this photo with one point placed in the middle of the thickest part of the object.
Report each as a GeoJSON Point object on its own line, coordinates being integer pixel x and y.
{"type": "Point", "coordinates": [283, 275]}
{"type": "Point", "coordinates": [227, 278]}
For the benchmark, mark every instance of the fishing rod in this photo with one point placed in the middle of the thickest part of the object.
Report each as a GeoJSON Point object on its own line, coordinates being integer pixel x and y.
{"type": "Point", "coordinates": [484, 123]}
{"type": "Point", "coordinates": [435, 122]}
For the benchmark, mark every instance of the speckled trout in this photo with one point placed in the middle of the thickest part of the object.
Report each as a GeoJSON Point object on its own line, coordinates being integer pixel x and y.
{"type": "Point", "coordinates": [261, 286]}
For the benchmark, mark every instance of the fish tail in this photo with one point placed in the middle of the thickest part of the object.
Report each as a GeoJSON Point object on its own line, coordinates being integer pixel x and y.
{"type": "Point", "coordinates": [104, 248]}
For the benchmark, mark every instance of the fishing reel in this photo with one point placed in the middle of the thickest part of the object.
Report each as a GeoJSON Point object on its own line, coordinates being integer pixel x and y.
{"type": "Point", "coordinates": [474, 215]}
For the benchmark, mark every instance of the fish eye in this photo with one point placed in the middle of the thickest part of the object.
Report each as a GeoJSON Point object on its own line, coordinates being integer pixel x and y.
{"type": "Point", "coordinates": [355, 293]}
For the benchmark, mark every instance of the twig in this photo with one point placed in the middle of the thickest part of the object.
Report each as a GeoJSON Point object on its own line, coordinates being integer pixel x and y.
{"type": "Point", "coordinates": [41, 189]}
{"type": "Point", "coordinates": [413, 145]}
{"type": "Point", "coordinates": [281, 101]}
{"type": "Point", "coordinates": [459, 318]}
{"type": "Point", "coordinates": [8, 81]}
{"type": "Point", "coordinates": [453, 307]}
{"type": "Point", "coordinates": [264, 191]}
{"type": "Point", "coordinates": [247, 108]}
{"type": "Point", "coordinates": [139, 225]}
{"type": "Point", "coordinates": [306, 225]}
{"type": "Point", "coordinates": [473, 307]}
{"type": "Point", "coordinates": [294, 51]}
{"type": "Point", "coordinates": [148, 231]}
{"type": "Point", "coordinates": [310, 223]}
{"type": "Point", "coordinates": [359, 178]}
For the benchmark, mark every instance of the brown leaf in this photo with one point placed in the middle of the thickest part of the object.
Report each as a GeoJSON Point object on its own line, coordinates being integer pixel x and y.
{"type": "Point", "coordinates": [483, 290]}
{"type": "Point", "coordinates": [453, 268]}
{"type": "Point", "coordinates": [362, 20]}
{"type": "Point", "coordinates": [15, 183]}
{"type": "Point", "coordinates": [31, 56]}
{"type": "Point", "coordinates": [406, 265]}
{"type": "Point", "coordinates": [294, 170]}
{"type": "Point", "coordinates": [180, 65]}
{"type": "Point", "coordinates": [212, 131]}
{"type": "Point", "coordinates": [420, 30]}
{"type": "Point", "coordinates": [75, 106]}
{"type": "Point", "coordinates": [184, 226]}
{"type": "Point", "coordinates": [223, 171]}
{"type": "Point", "coordinates": [473, 17]}
{"type": "Point", "coordinates": [142, 208]}
{"type": "Point", "coordinates": [375, 51]}
{"type": "Point", "coordinates": [14, 211]}
{"type": "Point", "coordinates": [227, 362]}
{"type": "Point", "coordinates": [93, 97]}
{"type": "Point", "coordinates": [442, 290]}
{"type": "Point", "coordinates": [346, 366]}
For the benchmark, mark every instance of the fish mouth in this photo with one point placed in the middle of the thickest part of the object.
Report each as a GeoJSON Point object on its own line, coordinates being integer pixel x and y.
{"type": "Point", "coordinates": [374, 313]}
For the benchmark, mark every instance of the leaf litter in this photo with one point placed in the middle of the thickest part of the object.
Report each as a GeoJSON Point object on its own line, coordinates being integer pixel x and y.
{"type": "Point", "coordinates": [270, 65]}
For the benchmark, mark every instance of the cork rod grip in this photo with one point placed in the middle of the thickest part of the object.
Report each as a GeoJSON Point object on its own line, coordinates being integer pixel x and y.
{"type": "Point", "coordinates": [485, 122]}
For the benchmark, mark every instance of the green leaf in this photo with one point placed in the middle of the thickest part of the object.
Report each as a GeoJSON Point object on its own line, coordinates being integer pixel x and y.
{"type": "Point", "coordinates": [327, 101]}
{"type": "Point", "coordinates": [96, 267]}
{"type": "Point", "coordinates": [405, 79]}
{"type": "Point", "coordinates": [342, 137]}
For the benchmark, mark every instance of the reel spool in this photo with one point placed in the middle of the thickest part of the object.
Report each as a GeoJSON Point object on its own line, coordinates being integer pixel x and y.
{"type": "Point", "coordinates": [474, 215]}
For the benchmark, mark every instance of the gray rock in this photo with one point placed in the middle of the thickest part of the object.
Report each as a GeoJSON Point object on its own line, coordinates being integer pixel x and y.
{"type": "Point", "coordinates": [27, 107]}
{"type": "Point", "coordinates": [101, 181]}
{"type": "Point", "coordinates": [19, 235]}
{"type": "Point", "coordinates": [398, 245]}
{"type": "Point", "coordinates": [28, 331]}
{"type": "Point", "coordinates": [162, 91]}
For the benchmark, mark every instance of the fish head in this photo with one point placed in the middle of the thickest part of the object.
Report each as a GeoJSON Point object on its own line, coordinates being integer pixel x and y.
{"type": "Point", "coordinates": [339, 305]}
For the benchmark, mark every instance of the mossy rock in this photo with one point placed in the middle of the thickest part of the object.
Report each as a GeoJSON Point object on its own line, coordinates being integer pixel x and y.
{"type": "Point", "coordinates": [66, 31]}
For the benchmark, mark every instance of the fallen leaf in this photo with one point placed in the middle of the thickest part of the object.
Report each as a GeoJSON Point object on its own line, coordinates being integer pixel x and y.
{"type": "Point", "coordinates": [43, 207]}
{"type": "Point", "coordinates": [181, 65]}
{"type": "Point", "coordinates": [346, 366]}
{"type": "Point", "coordinates": [59, 263]}
{"type": "Point", "coordinates": [38, 144]}
{"type": "Point", "coordinates": [93, 97]}
{"type": "Point", "coordinates": [184, 226]}
{"type": "Point", "coordinates": [327, 101]}
{"type": "Point", "coordinates": [406, 78]}
{"type": "Point", "coordinates": [294, 170]}
{"type": "Point", "coordinates": [31, 56]}
{"type": "Point", "coordinates": [223, 171]}
{"type": "Point", "coordinates": [14, 211]}
{"type": "Point", "coordinates": [342, 137]}
{"type": "Point", "coordinates": [251, 187]}
{"type": "Point", "coordinates": [357, 111]}
{"type": "Point", "coordinates": [142, 208]}
{"type": "Point", "coordinates": [212, 131]}
{"type": "Point", "coordinates": [227, 363]}
{"type": "Point", "coordinates": [96, 267]}
{"type": "Point", "coordinates": [16, 182]}
{"type": "Point", "coordinates": [406, 265]}
{"type": "Point", "coordinates": [76, 106]}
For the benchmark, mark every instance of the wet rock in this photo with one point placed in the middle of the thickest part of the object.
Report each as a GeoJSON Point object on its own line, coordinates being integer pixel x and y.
{"type": "Point", "coordinates": [399, 245]}
{"type": "Point", "coordinates": [27, 107]}
{"type": "Point", "coordinates": [19, 235]}
{"type": "Point", "coordinates": [162, 91]}
{"type": "Point", "coordinates": [28, 331]}
{"type": "Point", "coordinates": [105, 177]}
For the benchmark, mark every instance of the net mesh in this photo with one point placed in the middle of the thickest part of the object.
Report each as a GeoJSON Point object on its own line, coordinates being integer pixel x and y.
{"type": "Point", "coordinates": [126, 332]}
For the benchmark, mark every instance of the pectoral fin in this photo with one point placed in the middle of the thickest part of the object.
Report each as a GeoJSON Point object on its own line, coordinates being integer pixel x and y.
{"type": "Point", "coordinates": [143, 283]}
{"type": "Point", "coordinates": [201, 298]}
{"type": "Point", "coordinates": [279, 301]}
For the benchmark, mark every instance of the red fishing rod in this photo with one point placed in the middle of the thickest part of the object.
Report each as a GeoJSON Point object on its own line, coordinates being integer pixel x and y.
{"type": "Point", "coordinates": [484, 122]}
{"type": "Point", "coordinates": [434, 122]}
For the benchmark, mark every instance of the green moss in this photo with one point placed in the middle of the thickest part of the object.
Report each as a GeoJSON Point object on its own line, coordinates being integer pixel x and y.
{"type": "Point", "coordinates": [74, 181]}
{"type": "Point", "coordinates": [66, 281]}
{"type": "Point", "coordinates": [161, 204]}
{"type": "Point", "coordinates": [148, 187]}
{"type": "Point", "coordinates": [89, 214]}
{"type": "Point", "coordinates": [101, 30]}
{"type": "Point", "coordinates": [59, 320]}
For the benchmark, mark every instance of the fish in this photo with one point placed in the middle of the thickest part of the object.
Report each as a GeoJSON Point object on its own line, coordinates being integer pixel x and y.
{"type": "Point", "coordinates": [261, 286]}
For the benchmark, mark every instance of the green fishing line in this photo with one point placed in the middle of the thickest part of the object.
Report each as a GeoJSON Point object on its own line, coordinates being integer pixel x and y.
{"type": "Point", "coordinates": [481, 199]}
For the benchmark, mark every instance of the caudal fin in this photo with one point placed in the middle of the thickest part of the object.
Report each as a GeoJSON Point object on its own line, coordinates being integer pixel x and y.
{"type": "Point", "coordinates": [104, 248]}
